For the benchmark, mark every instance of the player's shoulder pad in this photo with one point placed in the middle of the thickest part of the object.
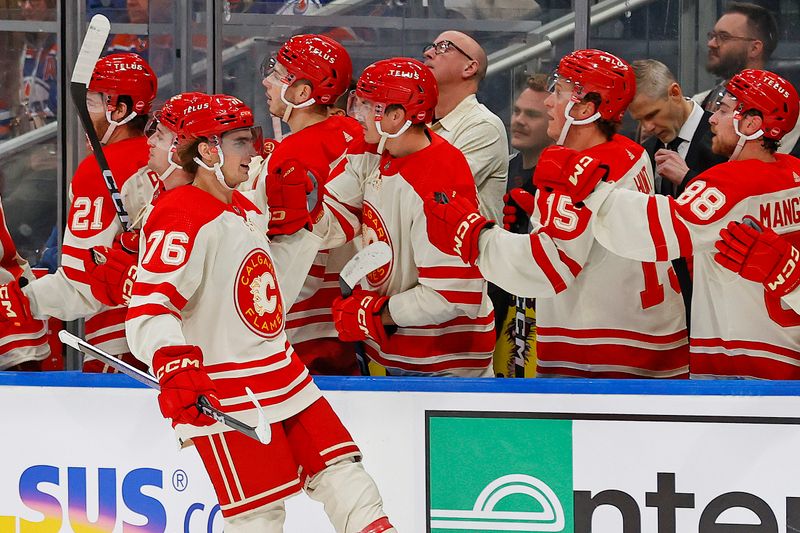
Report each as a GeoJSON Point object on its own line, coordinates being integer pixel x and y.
{"type": "Point", "coordinates": [621, 154]}
{"type": "Point", "coordinates": [125, 158]}
{"type": "Point", "coordinates": [185, 209]}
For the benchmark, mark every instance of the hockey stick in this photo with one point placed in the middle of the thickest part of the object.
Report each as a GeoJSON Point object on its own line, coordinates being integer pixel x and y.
{"type": "Point", "coordinates": [93, 44]}
{"type": "Point", "coordinates": [261, 432]}
{"type": "Point", "coordinates": [522, 225]}
{"type": "Point", "coordinates": [367, 260]}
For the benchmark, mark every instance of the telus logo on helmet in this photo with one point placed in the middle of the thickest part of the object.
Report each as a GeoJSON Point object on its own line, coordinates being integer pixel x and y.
{"type": "Point", "coordinates": [775, 84]}
{"type": "Point", "coordinates": [414, 75]}
{"type": "Point", "coordinates": [127, 66]}
{"type": "Point", "coordinates": [324, 55]}
{"type": "Point", "coordinates": [192, 108]}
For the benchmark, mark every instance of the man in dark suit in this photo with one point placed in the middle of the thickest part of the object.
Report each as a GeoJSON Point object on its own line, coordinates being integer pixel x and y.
{"type": "Point", "coordinates": [678, 140]}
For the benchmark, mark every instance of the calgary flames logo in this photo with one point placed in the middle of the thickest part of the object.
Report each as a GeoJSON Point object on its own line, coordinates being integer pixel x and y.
{"type": "Point", "coordinates": [373, 229]}
{"type": "Point", "coordinates": [258, 300]}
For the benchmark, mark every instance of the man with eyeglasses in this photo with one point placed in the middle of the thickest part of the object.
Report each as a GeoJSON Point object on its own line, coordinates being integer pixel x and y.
{"type": "Point", "coordinates": [459, 65]}
{"type": "Point", "coordinates": [744, 37]}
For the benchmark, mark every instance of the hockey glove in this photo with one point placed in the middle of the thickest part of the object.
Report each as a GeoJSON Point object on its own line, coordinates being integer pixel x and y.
{"type": "Point", "coordinates": [569, 172]}
{"type": "Point", "coordinates": [112, 272]}
{"type": "Point", "coordinates": [760, 256]}
{"type": "Point", "coordinates": [358, 317]}
{"type": "Point", "coordinates": [517, 202]}
{"type": "Point", "coordinates": [287, 191]}
{"type": "Point", "coordinates": [454, 225]}
{"type": "Point", "coordinates": [183, 380]}
{"type": "Point", "coordinates": [14, 305]}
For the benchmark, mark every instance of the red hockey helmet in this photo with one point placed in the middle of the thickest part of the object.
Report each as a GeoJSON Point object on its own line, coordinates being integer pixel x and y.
{"type": "Point", "coordinates": [220, 114]}
{"type": "Point", "coordinates": [402, 81]}
{"type": "Point", "coordinates": [320, 60]}
{"type": "Point", "coordinates": [596, 71]}
{"type": "Point", "coordinates": [125, 74]}
{"type": "Point", "coordinates": [774, 97]}
{"type": "Point", "coordinates": [173, 114]}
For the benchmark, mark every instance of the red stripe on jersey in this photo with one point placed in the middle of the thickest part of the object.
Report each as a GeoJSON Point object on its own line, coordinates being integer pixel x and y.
{"type": "Point", "coordinates": [106, 319]}
{"type": "Point", "coordinates": [681, 231]}
{"type": "Point", "coordinates": [348, 230]}
{"type": "Point", "coordinates": [572, 265]}
{"type": "Point", "coordinates": [442, 366]}
{"type": "Point", "coordinates": [321, 299]}
{"type": "Point", "coordinates": [316, 271]}
{"type": "Point", "coordinates": [745, 345]}
{"type": "Point", "coordinates": [593, 333]}
{"type": "Point", "coordinates": [673, 361]}
{"type": "Point", "coordinates": [541, 259]}
{"type": "Point", "coordinates": [151, 310]}
{"type": "Point", "coordinates": [450, 272]}
{"type": "Point", "coordinates": [256, 363]}
{"type": "Point", "coordinates": [78, 253]}
{"type": "Point", "coordinates": [167, 289]}
{"type": "Point", "coordinates": [743, 365]}
{"type": "Point", "coordinates": [34, 342]}
{"type": "Point", "coordinates": [76, 275]}
{"type": "Point", "coordinates": [458, 321]}
{"type": "Point", "coordinates": [99, 339]}
{"type": "Point", "coordinates": [462, 297]}
{"type": "Point", "coordinates": [260, 384]}
{"type": "Point", "coordinates": [305, 321]}
{"type": "Point", "coordinates": [225, 466]}
{"type": "Point", "coordinates": [656, 230]}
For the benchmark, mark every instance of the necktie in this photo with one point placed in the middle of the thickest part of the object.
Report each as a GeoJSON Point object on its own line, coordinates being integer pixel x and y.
{"type": "Point", "coordinates": [667, 187]}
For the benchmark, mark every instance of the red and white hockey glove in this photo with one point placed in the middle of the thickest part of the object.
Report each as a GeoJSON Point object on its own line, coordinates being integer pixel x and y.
{"type": "Point", "coordinates": [760, 256]}
{"type": "Point", "coordinates": [358, 317]}
{"type": "Point", "coordinates": [569, 172]}
{"type": "Point", "coordinates": [183, 380]}
{"type": "Point", "coordinates": [454, 225]}
{"type": "Point", "coordinates": [516, 200]}
{"type": "Point", "coordinates": [287, 191]}
{"type": "Point", "coordinates": [14, 305]}
{"type": "Point", "coordinates": [112, 272]}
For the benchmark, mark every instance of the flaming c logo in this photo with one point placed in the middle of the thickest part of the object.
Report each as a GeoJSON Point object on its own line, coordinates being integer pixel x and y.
{"type": "Point", "coordinates": [258, 300]}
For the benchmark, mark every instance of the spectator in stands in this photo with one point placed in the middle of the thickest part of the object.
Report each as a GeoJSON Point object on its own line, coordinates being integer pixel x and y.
{"type": "Point", "coordinates": [38, 69]}
{"type": "Point", "coordinates": [528, 132]}
{"type": "Point", "coordinates": [678, 141]}
{"type": "Point", "coordinates": [459, 64]}
{"type": "Point", "coordinates": [138, 13]}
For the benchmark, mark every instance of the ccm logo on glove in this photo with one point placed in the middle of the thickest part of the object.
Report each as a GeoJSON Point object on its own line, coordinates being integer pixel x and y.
{"type": "Point", "coordinates": [787, 271]}
{"type": "Point", "coordinates": [461, 231]}
{"type": "Point", "coordinates": [177, 364]}
{"type": "Point", "coordinates": [580, 166]}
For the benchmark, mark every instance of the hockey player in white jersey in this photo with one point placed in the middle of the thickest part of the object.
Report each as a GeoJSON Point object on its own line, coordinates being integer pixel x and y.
{"type": "Point", "coordinates": [207, 315]}
{"type": "Point", "coordinates": [121, 91]}
{"type": "Point", "coordinates": [740, 329]}
{"type": "Point", "coordinates": [425, 313]}
{"type": "Point", "coordinates": [598, 315]}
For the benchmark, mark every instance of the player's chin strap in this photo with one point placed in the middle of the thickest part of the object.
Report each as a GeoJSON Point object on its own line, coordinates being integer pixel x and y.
{"type": "Point", "coordinates": [385, 136]}
{"type": "Point", "coordinates": [173, 166]}
{"type": "Point", "coordinates": [290, 106]}
{"type": "Point", "coordinates": [570, 120]}
{"type": "Point", "coordinates": [217, 168]}
{"type": "Point", "coordinates": [742, 139]}
{"type": "Point", "coordinates": [112, 124]}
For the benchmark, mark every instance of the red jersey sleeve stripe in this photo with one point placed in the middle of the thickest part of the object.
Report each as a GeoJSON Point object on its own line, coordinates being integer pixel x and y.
{"type": "Point", "coordinates": [76, 275]}
{"type": "Point", "coordinates": [541, 259]}
{"type": "Point", "coordinates": [656, 231]}
{"type": "Point", "coordinates": [150, 310]}
{"type": "Point", "coordinates": [450, 272]}
{"type": "Point", "coordinates": [167, 289]}
{"type": "Point", "coordinates": [462, 297]}
{"type": "Point", "coordinates": [345, 225]}
{"type": "Point", "coordinates": [572, 265]}
{"type": "Point", "coordinates": [681, 231]}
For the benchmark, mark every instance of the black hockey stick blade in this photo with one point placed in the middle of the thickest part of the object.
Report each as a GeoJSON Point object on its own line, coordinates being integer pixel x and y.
{"type": "Point", "coordinates": [261, 432]}
{"type": "Point", "coordinates": [93, 44]}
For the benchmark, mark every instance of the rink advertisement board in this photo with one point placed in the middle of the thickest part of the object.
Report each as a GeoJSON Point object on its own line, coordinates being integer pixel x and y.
{"type": "Point", "coordinates": [449, 456]}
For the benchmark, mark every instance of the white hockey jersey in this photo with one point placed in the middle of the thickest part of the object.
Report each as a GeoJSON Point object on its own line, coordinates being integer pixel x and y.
{"type": "Point", "coordinates": [737, 330]}
{"type": "Point", "coordinates": [444, 317]}
{"type": "Point", "coordinates": [598, 314]}
{"type": "Point", "coordinates": [208, 276]}
{"type": "Point", "coordinates": [27, 342]}
{"type": "Point", "coordinates": [92, 221]}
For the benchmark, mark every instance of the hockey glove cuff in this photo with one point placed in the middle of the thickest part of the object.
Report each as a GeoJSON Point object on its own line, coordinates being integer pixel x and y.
{"type": "Point", "coordinates": [287, 191]}
{"type": "Point", "coordinates": [183, 380]}
{"type": "Point", "coordinates": [14, 305]}
{"type": "Point", "coordinates": [358, 317]}
{"type": "Point", "coordinates": [454, 226]}
{"type": "Point", "coordinates": [569, 172]}
{"type": "Point", "coordinates": [760, 256]}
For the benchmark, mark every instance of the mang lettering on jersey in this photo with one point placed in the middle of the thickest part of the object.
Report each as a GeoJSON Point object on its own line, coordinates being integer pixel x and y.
{"type": "Point", "coordinates": [104, 500]}
{"type": "Point", "coordinates": [373, 229]}
{"type": "Point", "coordinates": [257, 297]}
{"type": "Point", "coordinates": [783, 214]}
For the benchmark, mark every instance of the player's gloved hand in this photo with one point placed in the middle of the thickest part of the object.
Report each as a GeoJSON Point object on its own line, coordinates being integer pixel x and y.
{"type": "Point", "coordinates": [759, 255]}
{"type": "Point", "coordinates": [128, 241]}
{"type": "Point", "coordinates": [111, 273]}
{"type": "Point", "coordinates": [567, 171]}
{"type": "Point", "coordinates": [14, 305]}
{"type": "Point", "coordinates": [183, 380]}
{"type": "Point", "coordinates": [516, 200]}
{"type": "Point", "coordinates": [454, 225]}
{"type": "Point", "coordinates": [287, 191]}
{"type": "Point", "coordinates": [358, 316]}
